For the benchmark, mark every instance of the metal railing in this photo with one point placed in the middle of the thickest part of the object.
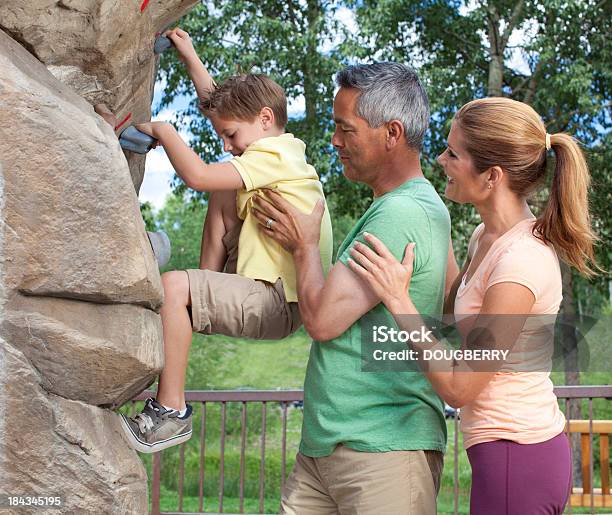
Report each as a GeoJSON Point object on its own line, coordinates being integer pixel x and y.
{"type": "Point", "coordinates": [285, 399]}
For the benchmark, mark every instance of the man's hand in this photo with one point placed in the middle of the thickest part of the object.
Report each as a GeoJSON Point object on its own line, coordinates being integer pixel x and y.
{"type": "Point", "coordinates": [184, 46]}
{"type": "Point", "coordinates": [329, 306]}
{"type": "Point", "coordinates": [290, 227]}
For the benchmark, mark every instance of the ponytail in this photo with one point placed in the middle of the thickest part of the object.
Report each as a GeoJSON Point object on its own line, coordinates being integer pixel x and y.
{"type": "Point", "coordinates": [565, 221]}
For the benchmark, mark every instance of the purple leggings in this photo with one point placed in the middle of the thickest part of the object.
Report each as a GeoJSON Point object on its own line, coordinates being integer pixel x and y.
{"type": "Point", "coordinates": [509, 478]}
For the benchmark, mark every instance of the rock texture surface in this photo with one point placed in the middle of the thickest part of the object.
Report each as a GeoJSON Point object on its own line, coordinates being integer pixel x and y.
{"type": "Point", "coordinates": [102, 49]}
{"type": "Point", "coordinates": [60, 447]}
{"type": "Point", "coordinates": [68, 194]}
{"type": "Point", "coordinates": [80, 289]}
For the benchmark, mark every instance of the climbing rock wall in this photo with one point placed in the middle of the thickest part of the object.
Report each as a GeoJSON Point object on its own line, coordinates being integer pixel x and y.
{"type": "Point", "coordinates": [79, 286]}
{"type": "Point", "coordinates": [102, 49]}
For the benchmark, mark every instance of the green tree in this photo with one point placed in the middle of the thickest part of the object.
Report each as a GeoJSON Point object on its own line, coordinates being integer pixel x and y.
{"type": "Point", "coordinates": [462, 51]}
{"type": "Point", "coordinates": [146, 211]}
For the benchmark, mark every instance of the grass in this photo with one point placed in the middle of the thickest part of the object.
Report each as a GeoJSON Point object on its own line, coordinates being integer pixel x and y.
{"type": "Point", "coordinates": [225, 363]}
{"type": "Point", "coordinates": [241, 363]}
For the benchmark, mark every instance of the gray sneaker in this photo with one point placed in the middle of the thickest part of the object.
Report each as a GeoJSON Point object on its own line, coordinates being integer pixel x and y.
{"type": "Point", "coordinates": [157, 428]}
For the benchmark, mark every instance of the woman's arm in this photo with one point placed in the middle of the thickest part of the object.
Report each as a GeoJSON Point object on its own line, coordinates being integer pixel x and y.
{"type": "Point", "coordinates": [457, 382]}
{"type": "Point", "coordinates": [453, 279]}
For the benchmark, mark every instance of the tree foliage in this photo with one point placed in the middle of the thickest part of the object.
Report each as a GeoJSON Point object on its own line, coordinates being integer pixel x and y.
{"type": "Point", "coordinates": [182, 221]}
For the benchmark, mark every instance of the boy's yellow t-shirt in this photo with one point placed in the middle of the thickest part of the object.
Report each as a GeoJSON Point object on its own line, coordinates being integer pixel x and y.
{"type": "Point", "coordinates": [277, 163]}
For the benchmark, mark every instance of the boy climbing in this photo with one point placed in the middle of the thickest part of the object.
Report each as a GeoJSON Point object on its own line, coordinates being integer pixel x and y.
{"type": "Point", "coordinates": [246, 284]}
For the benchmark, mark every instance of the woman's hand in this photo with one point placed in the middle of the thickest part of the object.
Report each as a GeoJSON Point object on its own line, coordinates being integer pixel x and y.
{"type": "Point", "coordinates": [387, 277]}
{"type": "Point", "coordinates": [284, 223]}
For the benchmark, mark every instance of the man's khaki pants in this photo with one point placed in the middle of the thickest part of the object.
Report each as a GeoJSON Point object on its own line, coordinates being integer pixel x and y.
{"type": "Point", "coordinates": [349, 482]}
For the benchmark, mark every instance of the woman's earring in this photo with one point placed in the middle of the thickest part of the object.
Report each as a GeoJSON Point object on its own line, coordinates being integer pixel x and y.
{"type": "Point", "coordinates": [490, 186]}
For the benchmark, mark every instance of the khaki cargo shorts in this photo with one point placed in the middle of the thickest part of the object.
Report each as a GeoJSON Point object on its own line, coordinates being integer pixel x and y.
{"type": "Point", "coordinates": [350, 482]}
{"type": "Point", "coordinates": [233, 305]}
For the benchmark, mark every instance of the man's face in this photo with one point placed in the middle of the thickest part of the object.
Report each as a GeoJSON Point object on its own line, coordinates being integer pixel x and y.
{"type": "Point", "coordinates": [237, 135]}
{"type": "Point", "coordinates": [359, 146]}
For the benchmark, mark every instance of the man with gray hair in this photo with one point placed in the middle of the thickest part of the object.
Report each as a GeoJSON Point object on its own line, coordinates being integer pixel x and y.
{"type": "Point", "coordinates": [372, 441]}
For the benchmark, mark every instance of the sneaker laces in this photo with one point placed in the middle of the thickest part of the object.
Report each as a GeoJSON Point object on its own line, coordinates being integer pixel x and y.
{"type": "Point", "coordinates": [144, 421]}
{"type": "Point", "coordinates": [152, 410]}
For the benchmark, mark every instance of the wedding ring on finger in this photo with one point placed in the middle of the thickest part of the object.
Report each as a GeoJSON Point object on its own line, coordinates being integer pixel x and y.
{"type": "Point", "coordinates": [269, 223]}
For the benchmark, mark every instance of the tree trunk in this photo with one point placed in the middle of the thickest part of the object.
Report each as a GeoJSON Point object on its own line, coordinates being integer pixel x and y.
{"type": "Point", "coordinates": [311, 78]}
{"type": "Point", "coordinates": [496, 74]}
{"type": "Point", "coordinates": [496, 54]}
{"type": "Point", "coordinates": [498, 41]}
{"type": "Point", "coordinates": [570, 357]}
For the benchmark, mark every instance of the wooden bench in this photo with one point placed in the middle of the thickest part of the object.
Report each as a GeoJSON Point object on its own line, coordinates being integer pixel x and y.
{"type": "Point", "coordinates": [581, 497]}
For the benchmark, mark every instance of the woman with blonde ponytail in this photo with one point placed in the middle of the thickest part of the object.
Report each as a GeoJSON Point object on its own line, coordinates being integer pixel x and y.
{"type": "Point", "coordinates": [497, 156]}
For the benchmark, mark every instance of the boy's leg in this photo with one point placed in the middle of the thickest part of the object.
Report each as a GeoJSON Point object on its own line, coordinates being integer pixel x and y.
{"type": "Point", "coordinates": [177, 331]}
{"type": "Point", "coordinates": [160, 425]}
{"type": "Point", "coordinates": [221, 218]}
{"type": "Point", "coordinates": [221, 303]}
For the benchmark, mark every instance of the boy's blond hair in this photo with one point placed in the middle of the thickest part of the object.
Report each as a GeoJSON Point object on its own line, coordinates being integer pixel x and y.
{"type": "Point", "coordinates": [244, 96]}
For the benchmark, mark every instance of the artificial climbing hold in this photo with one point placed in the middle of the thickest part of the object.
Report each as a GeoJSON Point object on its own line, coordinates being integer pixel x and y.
{"type": "Point", "coordinates": [160, 243]}
{"type": "Point", "coordinates": [136, 141]}
{"type": "Point", "coordinates": [162, 43]}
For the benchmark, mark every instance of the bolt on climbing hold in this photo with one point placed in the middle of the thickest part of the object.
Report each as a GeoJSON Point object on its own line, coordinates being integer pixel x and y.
{"type": "Point", "coordinates": [136, 141]}
{"type": "Point", "coordinates": [162, 43]}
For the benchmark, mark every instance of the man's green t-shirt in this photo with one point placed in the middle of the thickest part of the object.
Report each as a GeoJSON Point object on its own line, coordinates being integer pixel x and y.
{"type": "Point", "coordinates": [386, 410]}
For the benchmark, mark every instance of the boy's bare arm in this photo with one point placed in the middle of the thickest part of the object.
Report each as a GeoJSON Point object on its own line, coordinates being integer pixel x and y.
{"type": "Point", "coordinates": [200, 77]}
{"type": "Point", "coordinates": [196, 173]}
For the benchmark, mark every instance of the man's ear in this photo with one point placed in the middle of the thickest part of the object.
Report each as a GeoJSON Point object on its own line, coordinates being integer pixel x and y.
{"type": "Point", "coordinates": [395, 133]}
{"type": "Point", "coordinates": [266, 116]}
